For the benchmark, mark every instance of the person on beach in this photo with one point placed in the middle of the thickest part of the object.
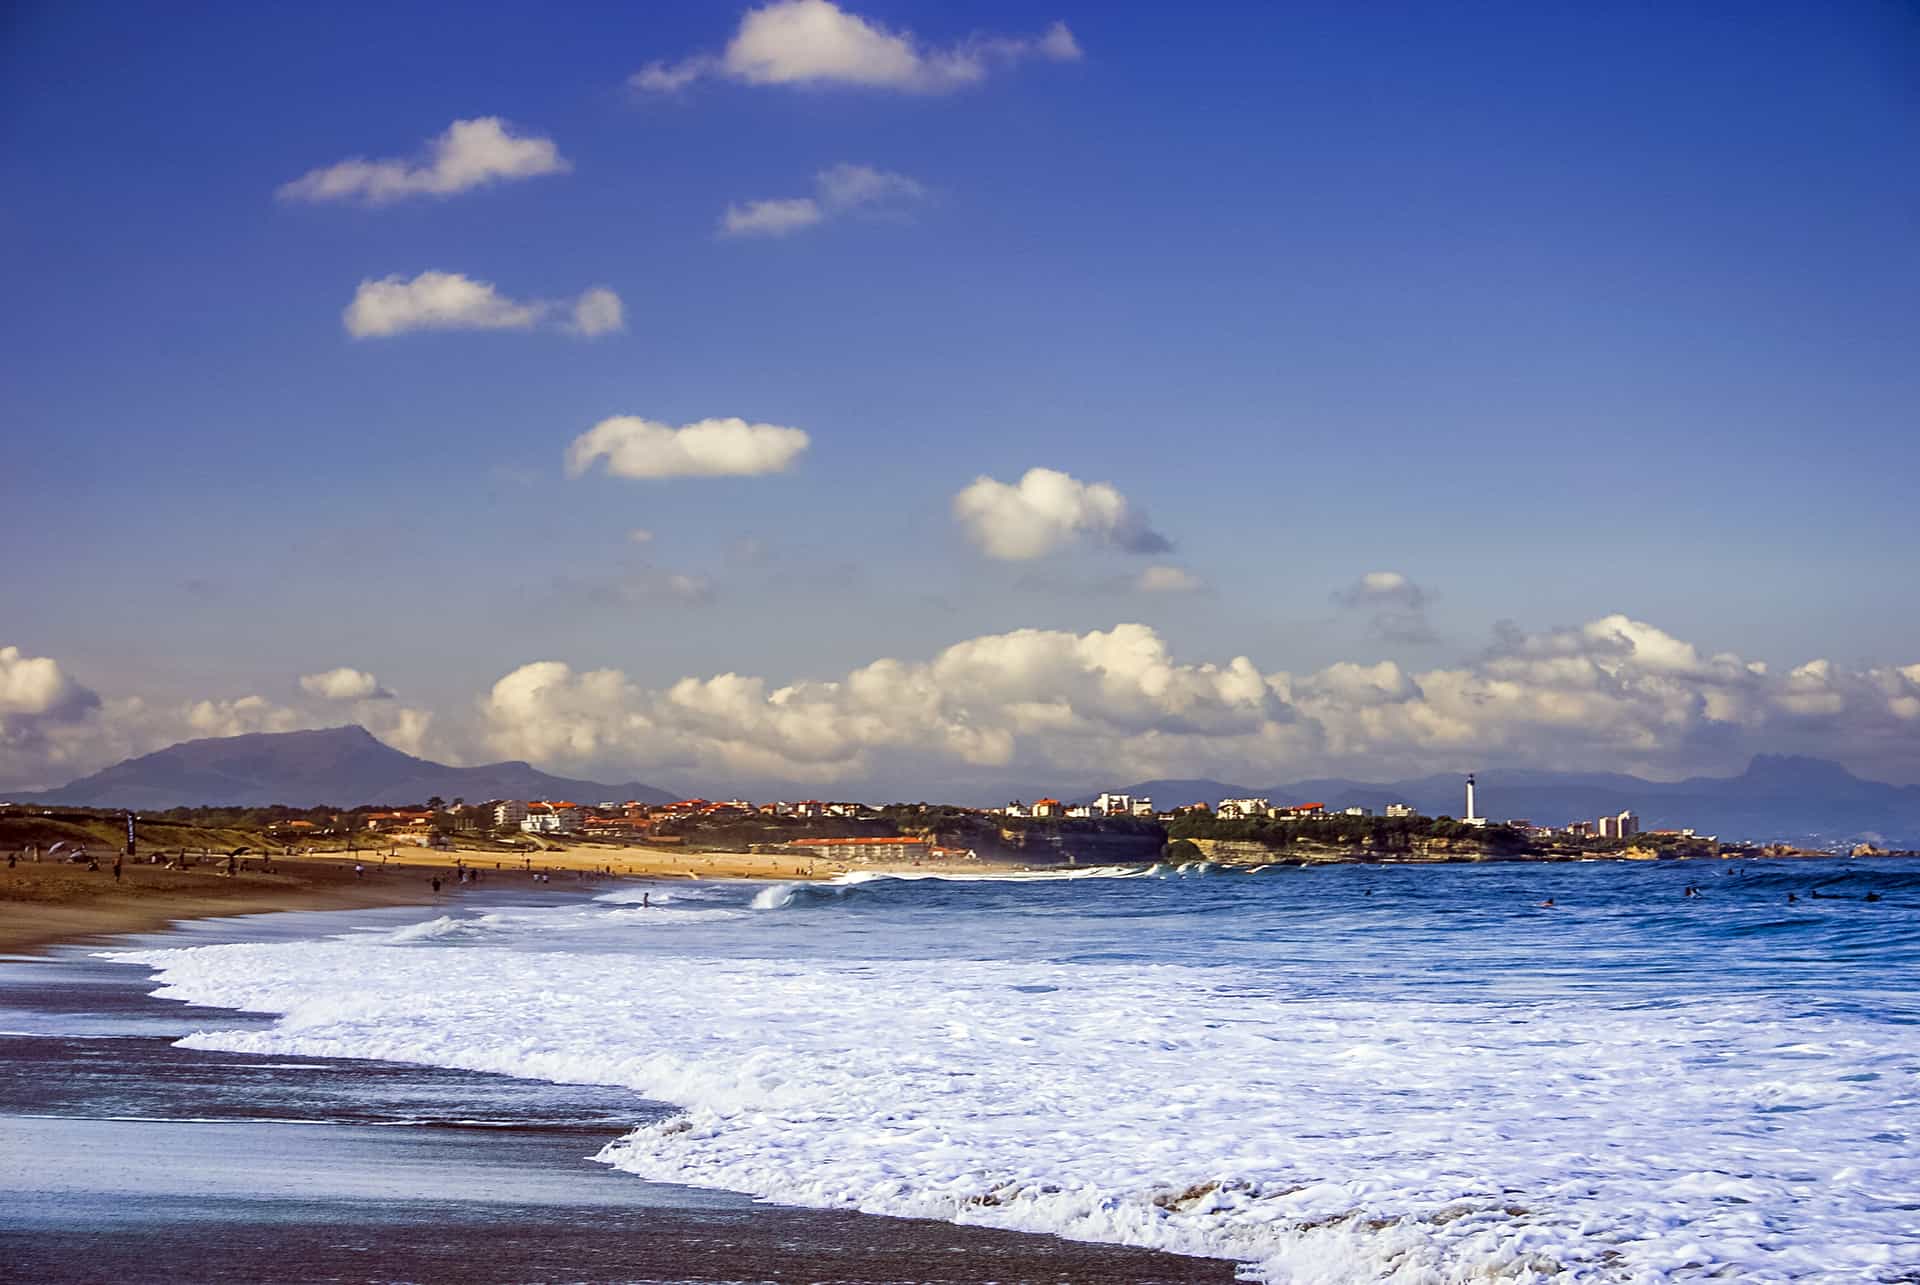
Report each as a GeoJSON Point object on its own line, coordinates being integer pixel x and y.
{"type": "Point", "coordinates": [359, 871]}
{"type": "Point", "coordinates": [436, 884]}
{"type": "Point", "coordinates": [116, 869]}
{"type": "Point", "coordinates": [646, 899]}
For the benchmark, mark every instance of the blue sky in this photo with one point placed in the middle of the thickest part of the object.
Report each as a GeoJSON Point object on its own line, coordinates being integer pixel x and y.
{"type": "Point", "coordinates": [1558, 313]}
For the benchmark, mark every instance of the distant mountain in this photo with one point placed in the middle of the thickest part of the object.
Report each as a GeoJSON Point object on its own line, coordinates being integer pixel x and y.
{"type": "Point", "coordinates": [1778, 797]}
{"type": "Point", "coordinates": [340, 766]}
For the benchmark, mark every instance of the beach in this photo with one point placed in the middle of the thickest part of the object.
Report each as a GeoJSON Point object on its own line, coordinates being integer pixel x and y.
{"type": "Point", "coordinates": [134, 1159]}
{"type": "Point", "coordinates": [1558, 1073]}
{"type": "Point", "coordinates": [51, 900]}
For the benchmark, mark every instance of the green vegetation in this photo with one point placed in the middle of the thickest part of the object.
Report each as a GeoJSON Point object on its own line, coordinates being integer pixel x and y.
{"type": "Point", "coordinates": [1385, 835]}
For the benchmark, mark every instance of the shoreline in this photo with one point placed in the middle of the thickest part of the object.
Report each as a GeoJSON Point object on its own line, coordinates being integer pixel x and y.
{"type": "Point", "coordinates": [144, 1156]}
{"type": "Point", "coordinates": [50, 903]}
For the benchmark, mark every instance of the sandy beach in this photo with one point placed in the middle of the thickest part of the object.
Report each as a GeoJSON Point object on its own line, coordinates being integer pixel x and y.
{"type": "Point", "coordinates": [49, 901]}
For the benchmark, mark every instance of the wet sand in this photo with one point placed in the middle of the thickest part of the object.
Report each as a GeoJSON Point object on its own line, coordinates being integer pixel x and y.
{"type": "Point", "coordinates": [45, 902]}
{"type": "Point", "coordinates": [133, 1160]}
{"type": "Point", "coordinates": [42, 903]}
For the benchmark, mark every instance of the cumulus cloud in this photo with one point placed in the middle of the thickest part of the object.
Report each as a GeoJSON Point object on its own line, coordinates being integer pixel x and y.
{"type": "Point", "coordinates": [1399, 606]}
{"type": "Point", "coordinates": [818, 43]}
{"type": "Point", "coordinates": [1614, 692]}
{"type": "Point", "coordinates": [436, 300]}
{"type": "Point", "coordinates": [1047, 510]}
{"type": "Point", "coordinates": [36, 687]}
{"type": "Point", "coordinates": [344, 684]}
{"type": "Point", "coordinates": [842, 189]}
{"type": "Point", "coordinates": [644, 448]}
{"type": "Point", "coordinates": [470, 154]}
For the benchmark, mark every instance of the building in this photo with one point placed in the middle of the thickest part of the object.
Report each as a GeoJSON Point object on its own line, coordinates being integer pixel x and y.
{"type": "Point", "coordinates": [1401, 810]}
{"type": "Point", "coordinates": [1472, 816]}
{"type": "Point", "coordinates": [1114, 805]}
{"type": "Point", "coordinates": [554, 818]}
{"type": "Point", "coordinates": [1243, 809]}
{"type": "Point", "coordinates": [882, 848]}
{"type": "Point", "coordinates": [1048, 807]}
{"type": "Point", "coordinates": [1623, 825]}
{"type": "Point", "coordinates": [1302, 812]}
{"type": "Point", "coordinates": [396, 820]}
{"type": "Point", "coordinates": [509, 812]}
{"type": "Point", "coordinates": [1355, 810]}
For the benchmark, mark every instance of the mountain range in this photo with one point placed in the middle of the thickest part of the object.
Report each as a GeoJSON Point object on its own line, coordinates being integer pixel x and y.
{"type": "Point", "coordinates": [1778, 797]}
{"type": "Point", "coordinates": [1785, 798]}
{"type": "Point", "coordinates": [335, 766]}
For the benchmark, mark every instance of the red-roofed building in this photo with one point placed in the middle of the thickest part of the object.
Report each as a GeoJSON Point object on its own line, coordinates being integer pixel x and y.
{"type": "Point", "coordinates": [866, 848]}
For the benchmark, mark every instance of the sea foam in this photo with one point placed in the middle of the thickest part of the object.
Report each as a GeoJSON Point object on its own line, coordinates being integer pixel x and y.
{"type": "Point", "coordinates": [1556, 1134]}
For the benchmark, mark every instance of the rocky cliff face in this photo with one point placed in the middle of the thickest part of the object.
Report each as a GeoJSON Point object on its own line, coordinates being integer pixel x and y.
{"type": "Point", "coordinates": [1248, 852]}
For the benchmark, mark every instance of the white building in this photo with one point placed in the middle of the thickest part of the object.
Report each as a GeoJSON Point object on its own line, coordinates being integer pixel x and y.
{"type": "Point", "coordinates": [1401, 810]}
{"type": "Point", "coordinates": [1243, 809]}
{"type": "Point", "coordinates": [1623, 825]}
{"type": "Point", "coordinates": [1356, 811]}
{"type": "Point", "coordinates": [509, 812]}
{"type": "Point", "coordinates": [553, 818]}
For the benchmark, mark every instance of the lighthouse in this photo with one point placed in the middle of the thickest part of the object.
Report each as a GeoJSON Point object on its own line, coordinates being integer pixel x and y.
{"type": "Point", "coordinates": [1473, 816]}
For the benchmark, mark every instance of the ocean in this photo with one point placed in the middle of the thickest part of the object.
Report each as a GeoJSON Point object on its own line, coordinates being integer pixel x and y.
{"type": "Point", "coordinates": [1346, 1073]}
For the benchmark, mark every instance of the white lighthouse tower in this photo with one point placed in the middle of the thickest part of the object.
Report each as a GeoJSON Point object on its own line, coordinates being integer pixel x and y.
{"type": "Point", "coordinates": [1473, 816]}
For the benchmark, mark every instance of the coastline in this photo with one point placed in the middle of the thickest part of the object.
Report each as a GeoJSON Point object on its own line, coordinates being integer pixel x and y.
{"type": "Point", "coordinates": [49, 903]}
{"type": "Point", "coordinates": [144, 1155]}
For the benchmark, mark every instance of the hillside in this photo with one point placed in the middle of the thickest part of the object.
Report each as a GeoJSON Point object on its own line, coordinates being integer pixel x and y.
{"type": "Point", "coordinates": [340, 766]}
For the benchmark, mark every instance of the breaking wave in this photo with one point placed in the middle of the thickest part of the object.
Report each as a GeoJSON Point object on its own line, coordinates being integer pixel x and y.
{"type": "Point", "coordinates": [1410, 1087]}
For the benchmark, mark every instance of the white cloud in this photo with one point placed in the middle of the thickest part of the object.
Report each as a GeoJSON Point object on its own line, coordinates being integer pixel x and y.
{"type": "Point", "coordinates": [817, 43]}
{"type": "Point", "coordinates": [344, 684]}
{"type": "Point", "coordinates": [644, 448]}
{"type": "Point", "coordinates": [771, 218]}
{"type": "Point", "coordinates": [639, 535]}
{"type": "Point", "coordinates": [449, 301]}
{"type": "Point", "coordinates": [1614, 693]}
{"type": "Point", "coordinates": [598, 311]}
{"type": "Point", "coordinates": [1166, 579]}
{"type": "Point", "coordinates": [841, 189]}
{"type": "Point", "coordinates": [848, 187]}
{"type": "Point", "coordinates": [1047, 510]}
{"type": "Point", "coordinates": [472, 153]}
{"type": "Point", "coordinates": [36, 687]}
